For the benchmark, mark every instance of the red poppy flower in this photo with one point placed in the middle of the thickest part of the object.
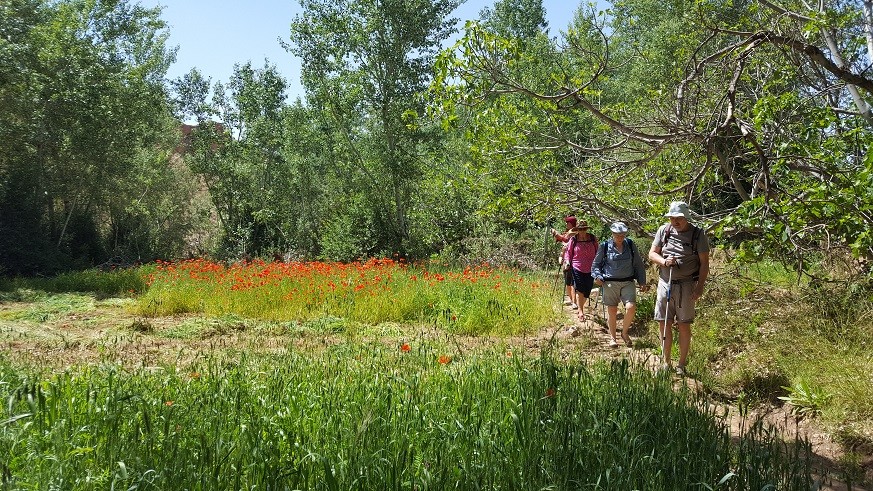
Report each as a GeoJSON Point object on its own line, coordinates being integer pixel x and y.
{"type": "Point", "coordinates": [550, 392]}
{"type": "Point", "coordinates": [168, 403]}
{"type": "Point", "coordinates": [444, 359]}
{"type": "Point", "coordinates": [404, 347]}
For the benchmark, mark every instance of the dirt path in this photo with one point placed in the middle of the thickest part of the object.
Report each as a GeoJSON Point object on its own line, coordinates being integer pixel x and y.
{"type": "Point", "coordinates": [592, 338]}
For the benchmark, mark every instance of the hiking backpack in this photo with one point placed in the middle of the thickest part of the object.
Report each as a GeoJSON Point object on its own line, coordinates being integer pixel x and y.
{"type": "Point", "coordinates": [695, 236]}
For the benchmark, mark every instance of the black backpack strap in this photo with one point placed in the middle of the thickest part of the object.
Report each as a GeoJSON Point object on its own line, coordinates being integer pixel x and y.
{"type": "Point", "coordinates": [667, 230]}
{"type": "Point", "coordinates": [695, 236]}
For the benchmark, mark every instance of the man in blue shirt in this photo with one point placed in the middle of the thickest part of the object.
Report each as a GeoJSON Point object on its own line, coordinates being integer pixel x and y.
{"type": "Point", "coordinates": [616, 266]}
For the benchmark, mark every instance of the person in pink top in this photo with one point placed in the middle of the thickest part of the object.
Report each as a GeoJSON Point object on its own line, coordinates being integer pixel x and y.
{"type": "Point", "coordinates": [569, 292]}
{"type": "Point", "coordinates": [581, 249]}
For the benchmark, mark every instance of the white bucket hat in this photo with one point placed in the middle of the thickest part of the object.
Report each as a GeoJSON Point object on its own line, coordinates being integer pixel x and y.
{"type": "Point", "coordinates": [618, 228]}
{"type": "Point", "coordinates": [678, 209]}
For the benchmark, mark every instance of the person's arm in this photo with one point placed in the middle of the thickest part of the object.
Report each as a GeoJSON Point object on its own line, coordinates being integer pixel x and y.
{"type": "Point", "coordinates": [655, 254]}
{"type": "Point", "coordinates": [639, 268]}
{"type": "Point", "coordinates": [560, 237]}
{"type": "Point", "coordinates": [596, 272]}
{"type": "Point", "coordinates": [703, 275]}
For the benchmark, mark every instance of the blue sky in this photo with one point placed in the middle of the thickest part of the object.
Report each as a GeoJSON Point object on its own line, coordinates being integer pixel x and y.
{"type": "Point", "coordinates": [213, 35]}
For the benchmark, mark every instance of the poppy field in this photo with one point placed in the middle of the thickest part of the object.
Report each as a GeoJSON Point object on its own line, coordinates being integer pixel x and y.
{"type": "Point", "coordinates": [346, 411]}
{"type": "Point", "coordinates": [475, 300]}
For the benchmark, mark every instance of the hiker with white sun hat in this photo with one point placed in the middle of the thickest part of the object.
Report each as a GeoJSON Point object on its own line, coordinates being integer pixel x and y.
{"type": "Point", "coordinates": [615, 267]}
{"type": "Point", "coordinates": [681, 251]}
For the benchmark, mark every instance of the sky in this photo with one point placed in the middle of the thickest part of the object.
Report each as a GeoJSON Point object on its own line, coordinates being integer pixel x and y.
{"type": "Point", "coordinates": [213, 35]}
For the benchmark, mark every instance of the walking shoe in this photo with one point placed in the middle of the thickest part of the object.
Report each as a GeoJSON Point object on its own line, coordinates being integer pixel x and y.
{"type": "Point", "coordinates": [627, 340]}
{"type": "Point", "coordinates": [574, 331]}
{"type": "Point", "coordinates": [665, 368]}
{"type": "Point", "coordinates": [567, 302]}
{"type": "Point", "coordinates": [574, 306]}
{"type": "Point", "coordinates": [680, 370]}
{"type": "Point", "coordinates": [613, 343]}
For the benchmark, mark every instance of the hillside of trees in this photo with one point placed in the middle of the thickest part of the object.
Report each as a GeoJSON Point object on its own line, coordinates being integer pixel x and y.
{"type": "Point", "coordinates": [755, 112]}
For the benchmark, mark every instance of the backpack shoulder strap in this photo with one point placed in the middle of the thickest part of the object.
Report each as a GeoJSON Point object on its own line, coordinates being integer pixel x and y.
{"type": "Point", "coordinates": [695, 236]}
{"type": "Point", "coordinates": [633, 250]}
{"type": "Point", "coordinates": [667, 231]}
{"type": "Point", "coordinates": [602, 253]}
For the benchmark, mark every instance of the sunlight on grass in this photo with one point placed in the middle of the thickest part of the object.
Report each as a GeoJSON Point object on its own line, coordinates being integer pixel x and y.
{"type": "Point", "coordinates": [472, 301]}
{"type": "Point", "coordinates": [373, 416]}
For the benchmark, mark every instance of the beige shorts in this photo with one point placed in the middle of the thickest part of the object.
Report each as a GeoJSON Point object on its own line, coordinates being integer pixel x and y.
{"type": "Point", "coordinates": [681, 306]}
{"type": "Point", "coordinates": [619, 291]}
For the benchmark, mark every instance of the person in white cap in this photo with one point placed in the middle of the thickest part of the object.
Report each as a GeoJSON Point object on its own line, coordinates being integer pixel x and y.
{"type": "Point", "coordinates": [616, 266]}
{"type": "Point", "coordinates": [681, 250]}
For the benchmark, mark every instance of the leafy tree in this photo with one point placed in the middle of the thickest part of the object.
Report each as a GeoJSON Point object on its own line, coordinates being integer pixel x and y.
{"type": "Point", "coordinates": [83, 110]}
{"type": "Point", "coordinates": [755, 112]}
{"type": "Point", "coordinates": [237, 149]}
{"type": "Point", "coordinates": [366, 66]}
{"type": "Point", "coordinates": [519, 20]}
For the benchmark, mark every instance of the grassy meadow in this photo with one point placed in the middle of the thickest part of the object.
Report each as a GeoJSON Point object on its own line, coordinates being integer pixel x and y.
{"type": "Point", "coordinates": [480, 300]}
{"type": "Point", "coordinates": [367, 416]}
{"type": "Point", "coordinates": [386, 375]}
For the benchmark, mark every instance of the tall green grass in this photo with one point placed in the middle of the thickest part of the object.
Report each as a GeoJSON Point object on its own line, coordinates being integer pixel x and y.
{"type": "Point", "coordinates": [105, 283]}
{"type": "Point", "coordinates": [370, 416]}
{"type": "Point", "coordinates": [480, 300]}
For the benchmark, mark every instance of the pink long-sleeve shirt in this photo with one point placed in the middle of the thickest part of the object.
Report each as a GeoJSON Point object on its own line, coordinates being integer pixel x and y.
{"type": "Point", "coordinates": [580, 253]}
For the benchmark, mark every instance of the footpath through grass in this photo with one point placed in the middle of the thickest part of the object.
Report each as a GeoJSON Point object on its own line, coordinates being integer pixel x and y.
{"type": "Point", "coordinates": [367, 416]}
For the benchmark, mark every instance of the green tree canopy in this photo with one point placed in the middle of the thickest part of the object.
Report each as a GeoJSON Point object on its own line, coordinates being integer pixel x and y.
{"type": "Point", "coordinates": [84, 114]}
{"type": "Point", "coordinates": [756, 113]}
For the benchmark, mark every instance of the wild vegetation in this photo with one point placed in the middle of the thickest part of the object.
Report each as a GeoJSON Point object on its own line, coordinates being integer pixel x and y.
{"type": "Point", "coordinates": [80, 362]}
{"type": "Point", "coordinates": [370, 416]}
{"type": "Point", "coordinates": [478, 300]}
{"type": "Point", "coordinates": [755, 112]}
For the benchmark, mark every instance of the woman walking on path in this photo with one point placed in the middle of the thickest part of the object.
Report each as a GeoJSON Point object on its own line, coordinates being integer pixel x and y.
{"type": "Point", "coordinates": [681, 251]}
{"type": "Point", "coordinates": [580, 253]}
{"type": "Point", "coordinates": [569, 291]}
{"type": "Point", "coordinates": [616, 266]}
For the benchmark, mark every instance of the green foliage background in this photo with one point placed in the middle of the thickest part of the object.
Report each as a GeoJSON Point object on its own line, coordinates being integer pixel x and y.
{"type": "Point", "coordinates": [401, 147]}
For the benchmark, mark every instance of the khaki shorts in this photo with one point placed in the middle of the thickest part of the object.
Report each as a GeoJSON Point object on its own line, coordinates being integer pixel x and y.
{"type": "Point", "coordinates": [681, 306]}
{"type": "Point", "coordinates": [619, 291]}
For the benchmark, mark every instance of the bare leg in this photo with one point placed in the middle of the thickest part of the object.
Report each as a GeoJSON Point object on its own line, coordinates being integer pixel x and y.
{"type": "Point", "coordinates": [684, 342]}
{"type": "Point", "coordinates": [611, 314]}
{"type": "Point", "coordinates": [629, 310]}
{"type": "Point", "coordinates": [580, 301]}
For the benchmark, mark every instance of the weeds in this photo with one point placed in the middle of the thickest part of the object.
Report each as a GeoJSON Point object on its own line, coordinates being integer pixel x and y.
{"type": "Point", "coordinates": [367, 416]}
{"type": "Point", "coordinates": [805, 400]}
{"type": "Point", "coordinates": [103, 283]}
{"type": "Point", "coordinates": [473, 301]}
